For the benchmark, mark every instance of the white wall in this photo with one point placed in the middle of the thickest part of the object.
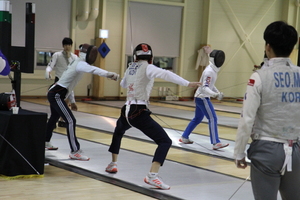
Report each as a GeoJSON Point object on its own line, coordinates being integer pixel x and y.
{"type": "Point", "coordinates": [237, 28]}
{"type": "Point", "coordinates": [52, 22]}
{"type": "Point", "coordinates": [232, 24]}
{"type": "Point", "coordinates": [228, 24]}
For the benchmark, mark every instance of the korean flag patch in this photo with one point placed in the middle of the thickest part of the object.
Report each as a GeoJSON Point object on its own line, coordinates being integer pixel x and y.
{"type": "Point", "coordinates": [251, 82]}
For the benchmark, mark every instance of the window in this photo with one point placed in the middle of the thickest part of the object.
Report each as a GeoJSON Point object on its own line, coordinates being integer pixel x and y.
{"type": "Point", "coordinates": [167, 63]}
{"type": "Point", "coordinates": [164, 62]}
{"type": "Point", "coordinates": [154, 24]}
{"type": "Point", "coordinates": [43, 57]}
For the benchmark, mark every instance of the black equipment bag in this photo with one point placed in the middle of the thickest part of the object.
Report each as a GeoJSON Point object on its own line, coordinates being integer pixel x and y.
{"type": "Point", "coordinates": [6, 101]}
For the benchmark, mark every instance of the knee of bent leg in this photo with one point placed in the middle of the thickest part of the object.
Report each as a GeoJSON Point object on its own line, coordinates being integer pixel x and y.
{"type": "Point", "coordinates": [169, 143]}
{"type": "Point", "coordinates": [166, 142]}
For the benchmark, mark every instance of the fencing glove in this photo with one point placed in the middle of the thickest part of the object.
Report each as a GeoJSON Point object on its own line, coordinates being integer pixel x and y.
{"type": "Point", "coordinates": [112, 76]}
{"type": "Point", "coordinates": [220, 96]}
{"type": "Point", "coordinates": [47, 73]}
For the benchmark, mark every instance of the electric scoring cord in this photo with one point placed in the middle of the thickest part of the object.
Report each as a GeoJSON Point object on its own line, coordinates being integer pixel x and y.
{"type": "Point", "coordinates": [173, 93]}
{"type": "Point", "coordinates": [20, 154]}
{"type": "Point", "coordinates": [233, 86]}
{"type": "Point", "coordinates": [214, 151]}
{"type": "Point", "coordinates": [239, 188]}
{"type": "Point", "coordinates": [208, 150]}
{"type": "Point", "coordinates": [35, 89]}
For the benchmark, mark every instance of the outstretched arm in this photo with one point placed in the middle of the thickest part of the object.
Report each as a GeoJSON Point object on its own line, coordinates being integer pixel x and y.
{"type": "Point", "coordinates": [155, 72]}
{"type": "Point", "coordinates": [194, 84]}
{"type": "Point", "coordinates": [85, 67]}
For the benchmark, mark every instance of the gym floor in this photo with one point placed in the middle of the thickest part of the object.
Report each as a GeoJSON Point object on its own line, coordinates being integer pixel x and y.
{"type": "Point", "coordinates": [194, 171]}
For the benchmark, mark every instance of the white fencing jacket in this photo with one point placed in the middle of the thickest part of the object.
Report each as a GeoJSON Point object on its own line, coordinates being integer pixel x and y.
{"type": "Point", "coordinates": [271, 105]}
{"type": "Point", "coordinates": [139, 79]}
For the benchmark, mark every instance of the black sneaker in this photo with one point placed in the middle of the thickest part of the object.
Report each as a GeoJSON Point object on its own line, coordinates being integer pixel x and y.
{"type": "Point", "coordinates": [61, 124]}
{"type": "Point", "coordinates": [49, 146]}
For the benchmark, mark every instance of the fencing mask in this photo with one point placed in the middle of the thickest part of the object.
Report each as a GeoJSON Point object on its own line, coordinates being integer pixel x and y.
{"type": "Point", "coordinates": [143, 51]}
{"type": "Point", "coordinates": [218, 57]}
{"type": "Point", "coordinates": [91, 52]}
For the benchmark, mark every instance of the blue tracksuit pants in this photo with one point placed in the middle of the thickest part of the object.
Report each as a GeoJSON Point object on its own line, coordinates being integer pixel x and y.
{"type": "Point", "coordinates": [205, 108]}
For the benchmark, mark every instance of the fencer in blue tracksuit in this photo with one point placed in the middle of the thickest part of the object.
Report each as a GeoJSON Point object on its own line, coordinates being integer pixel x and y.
{"type": "Point", "coordinates": [204, 107]}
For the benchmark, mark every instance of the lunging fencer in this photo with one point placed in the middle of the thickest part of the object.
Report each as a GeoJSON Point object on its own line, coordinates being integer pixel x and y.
{"type": "Point", "coordinates": [63, 88]}
{"type": "Point", "coordinates": [270, 116]}
{"type": "Point", "coordinates": [204, 107]}
{"type": "Point", "coordinates": [138, 79]}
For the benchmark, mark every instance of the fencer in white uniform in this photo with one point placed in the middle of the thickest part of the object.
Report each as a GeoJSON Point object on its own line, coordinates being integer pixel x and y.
{"type": "Point", "coordinates": [270, 116]}
{"type": "Point", "coordinates": [204, 107]}
{"type": "Point", "coordinates": [59, 62]}
{"type": "Point", "coordinates": [138, 79]}
{"type": "Point", "coordinates": [63, 88]}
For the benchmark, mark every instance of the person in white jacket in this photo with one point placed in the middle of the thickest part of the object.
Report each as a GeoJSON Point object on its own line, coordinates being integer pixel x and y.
{"type": "Point", "coordinates": [63, 88]}
{"type": "Point", "coordinates": [59, 62]}
{"type": "Point", "coordinates": [204, 107]}
{"type": "Point", "coordinates": [270, 116]}
{"type": "Point", "coordinates": [139, 78]}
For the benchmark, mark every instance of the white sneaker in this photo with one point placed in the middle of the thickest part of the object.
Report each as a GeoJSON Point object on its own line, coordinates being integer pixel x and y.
{"type": "Point", "coordinates": [78, 155]}
{"type": "Point", "coordinates": [49, 146]}
{"type": "Point", "coordinates": [157, 182]}
{"type": "Point", "coordinates": [186, 140]}
{"type": "Point", "coordinates": [219, 146]}
{"type": "Point", "coordinates": [112, 168]}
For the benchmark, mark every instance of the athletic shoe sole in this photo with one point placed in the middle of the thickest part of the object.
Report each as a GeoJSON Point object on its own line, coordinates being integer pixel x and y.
{"type": "Point", "coordinates": [180, 140]}
{"type": "Point", "coordinates": [216, 148]}
{"type": "Point", "coordinates": [79, 159]}
{"type": "Point", "coordinates": [146, 181]}
{"type": "Point", "coordinates": [51, 148]}
{"type": "Point", "coordinates": [112, 171]}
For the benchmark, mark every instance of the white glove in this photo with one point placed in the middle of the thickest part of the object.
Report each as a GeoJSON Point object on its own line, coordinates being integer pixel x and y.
{"type": "Point", "coordinates": [220, 96]}
{"type": "Point", "coordinates": [112, 76]}
{"type": "Point", "coordinates": [48, 75]}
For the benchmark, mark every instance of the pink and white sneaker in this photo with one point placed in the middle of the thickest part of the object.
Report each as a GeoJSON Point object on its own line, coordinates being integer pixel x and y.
{"type": "Point", "coordinates": [186, 140]}
{"type": "Point", "coordinates": [112, 168]}
{"type": "Point", "coordinates": [219, 146]}
{"type": "Point", "coordinates": [157, 182]}
{"type": "Point", "coordinates": [78, 155]}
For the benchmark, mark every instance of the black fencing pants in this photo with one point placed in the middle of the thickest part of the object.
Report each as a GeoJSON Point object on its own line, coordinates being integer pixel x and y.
{"type": "Point", "coordinates": [59, 108]}
{"type": "Point", "coordinates": [139, 117]}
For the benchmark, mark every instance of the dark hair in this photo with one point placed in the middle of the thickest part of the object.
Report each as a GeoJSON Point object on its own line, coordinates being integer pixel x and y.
{"type": "Point", "coordinates": [281, 37]}
{"type": "Point", "coordinates": [67, 41]}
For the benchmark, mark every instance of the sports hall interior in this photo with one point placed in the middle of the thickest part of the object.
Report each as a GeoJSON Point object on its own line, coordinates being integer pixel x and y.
{"type": "Point", "coordinates": [176, 30]}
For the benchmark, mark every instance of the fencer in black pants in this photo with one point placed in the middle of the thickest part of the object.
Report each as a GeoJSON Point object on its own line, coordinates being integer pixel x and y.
{"type": "Point", "coordinates": [63, 88]}
{"type": "Point", "coordinates": [59, 108]}
{"type": "Point", "coordinates": [139, 117]}
{"type": "Point", "coordinates": [138, 80]}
